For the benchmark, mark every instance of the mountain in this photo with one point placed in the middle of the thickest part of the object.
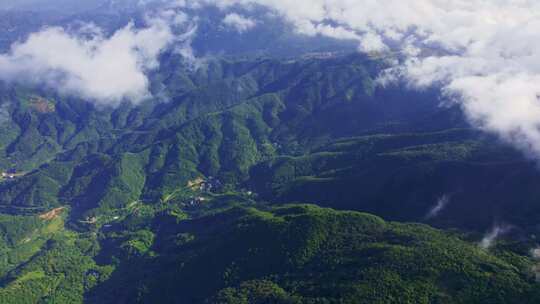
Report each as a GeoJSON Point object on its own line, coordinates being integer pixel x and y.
{"type": "Point", "coordinates": [225, 119]}
{"type": "Point", "coordinates": [277, 169]}
{"type": "Point", "coordinates": [309, 130]}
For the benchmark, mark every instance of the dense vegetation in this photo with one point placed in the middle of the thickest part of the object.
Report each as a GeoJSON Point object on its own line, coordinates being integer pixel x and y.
{"type": "Point", "coordinates": [179, 200]}
{"type": "Point", "coordinates": [316, 130]}
{"type": "Point", "coordinates": [289, 254]}
{"type": "Point", "coordinates": [402, 176]}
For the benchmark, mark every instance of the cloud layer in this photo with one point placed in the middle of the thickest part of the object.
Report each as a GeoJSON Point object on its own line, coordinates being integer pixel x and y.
{"type": "Point", "coordinates": [102, 69]}
{"type": "Point", "coordinates": [484, 54]}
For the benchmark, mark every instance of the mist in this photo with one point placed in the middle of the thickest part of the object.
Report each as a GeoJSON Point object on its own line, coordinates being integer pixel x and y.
{"type": "Point", "coordinates": [491, 237]}
{"type": "Point", "coordinates": [439, 206]}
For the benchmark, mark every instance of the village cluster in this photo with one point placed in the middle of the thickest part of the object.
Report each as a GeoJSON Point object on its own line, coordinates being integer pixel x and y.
{"type": "Point", "coordinates": [202, 185]}
{"type": "Point", "coordinates": [9, 174]}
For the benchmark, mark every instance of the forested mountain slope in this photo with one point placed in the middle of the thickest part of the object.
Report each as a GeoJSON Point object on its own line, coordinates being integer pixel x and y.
{"type": "Point", "coordinates": [293, 254]}
{"type": "Point", "coordinates": [317, 130]}
{"type": "Point", "coordinates": [223, 120]}
{"type": "Point", "coordinates": [183, 198]}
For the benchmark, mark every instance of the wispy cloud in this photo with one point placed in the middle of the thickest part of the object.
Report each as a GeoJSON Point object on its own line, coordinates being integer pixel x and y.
{"type": "Point", "coordinates": [490, 237]}
{"type": "Point", "coordinates": [535, 253]}
{"type": "Point", "coordinates": [439, 206]}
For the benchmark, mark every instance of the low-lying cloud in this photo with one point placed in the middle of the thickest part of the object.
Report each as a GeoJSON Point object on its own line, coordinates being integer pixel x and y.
{"type": "Point", "coordinates": [86, 63]}
{"type": "Point", "coordinates": [484, 54]}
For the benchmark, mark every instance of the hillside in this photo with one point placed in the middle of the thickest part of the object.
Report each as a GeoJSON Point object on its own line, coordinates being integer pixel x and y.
{"type": "Point", "coordinates": [186, 198]}
{"type": "Point", "coordinates": [224, 119]}
{"type": "Point", "coordinates": [402, 176]}
{"type": "Point", "coordinates": [289, 254]}
{"type": "Point", "coordinates": [308, 130]}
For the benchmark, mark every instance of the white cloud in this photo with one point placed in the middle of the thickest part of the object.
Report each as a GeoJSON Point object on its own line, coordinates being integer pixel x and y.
{"type": "Point", "coordinates": [491, 237]}
{"type": "Point", "coordinates": [439, 206]}
{"type": "Point", "coordinates": [535, 253]}
{"type": "Point", "coordinates": [483, 53]}
{"type": "Point", "coordinates": [102, 69]}
{"type": "Point", "coordinates": [184, 48]}
{"type": "Point", "coordinates": [239, 22]}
